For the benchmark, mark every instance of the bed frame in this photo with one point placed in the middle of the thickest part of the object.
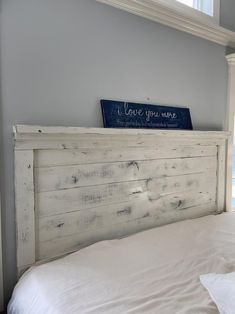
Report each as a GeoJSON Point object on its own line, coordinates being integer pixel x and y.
{"type": "Point", "coordinates": [76, 186]}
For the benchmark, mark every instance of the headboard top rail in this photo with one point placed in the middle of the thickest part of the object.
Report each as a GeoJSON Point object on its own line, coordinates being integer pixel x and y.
{"type": "Point", "coordinates": [23, 129]}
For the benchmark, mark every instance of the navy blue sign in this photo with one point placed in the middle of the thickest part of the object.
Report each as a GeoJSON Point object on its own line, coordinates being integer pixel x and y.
{"type": "Point", "coordinates": [118, 114]}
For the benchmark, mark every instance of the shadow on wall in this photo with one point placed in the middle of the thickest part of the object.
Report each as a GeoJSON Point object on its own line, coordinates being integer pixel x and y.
{"type": "Point", "coordinates": [229, 50]}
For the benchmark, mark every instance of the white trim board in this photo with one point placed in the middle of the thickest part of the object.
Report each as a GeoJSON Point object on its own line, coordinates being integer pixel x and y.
{"type": "Point", "coordinates": [230, 115]}
{"type": "Point", "coordinates": [22, 131]}
{"type": "Point", "coordinates": [160, 12]}
{"type": "Point", "coordinates": [76, 186]}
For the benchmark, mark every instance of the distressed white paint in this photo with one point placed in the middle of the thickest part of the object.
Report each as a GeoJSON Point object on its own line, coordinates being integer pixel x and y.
{"type": "Point", "coordinates": [69, 157]}
{"type": "Point", "coordinates": [59, 245]}
{"type": "Point", "coordinates": [221, 173]}
{"type": "Point", "coordinates": [24, 200]}
{"type": "Point", "coordinates": [127, 209]}
{"type": "Point", "coordinates": [22, 131]}
{"type": "Point", "coordinates": [94, 184]}
{"type": "Point", "coordinates": [44, 138]}
{"type": "Point", "coordinates": [105, 142]}
{"type": "Point", "coordinates": [69, 200]}
{"type": "Point", "coordinates": [68, 177]}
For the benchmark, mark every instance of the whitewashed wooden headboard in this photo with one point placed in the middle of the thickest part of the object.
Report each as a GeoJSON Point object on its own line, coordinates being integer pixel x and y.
{"type": "Point", "coordinates": [76, 186]}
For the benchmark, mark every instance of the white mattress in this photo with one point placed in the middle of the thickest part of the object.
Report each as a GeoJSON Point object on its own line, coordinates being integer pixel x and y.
{"type": "Point", "coordinates": [155, 271]}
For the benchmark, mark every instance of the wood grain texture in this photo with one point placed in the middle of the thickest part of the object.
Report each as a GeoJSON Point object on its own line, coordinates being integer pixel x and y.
{"type": "Point", "coordinates": [221, 176]}
{"type": "Point", "coordinates": [56, 202]}
{"type": "Point", "coordinates": [24, 200]}
{"type": "Point", "coordinates": [69, 157]}
{"type": "Point", "coordinates": [52, 227]}
{"type": "Point", "coordinates": [61, 245]}
{"type": "Point", "coordinates": [88, 185]}
{"type": "Point", "coordinates": [26, 131]}
{"type": "Point", "coordinates": [67, 177]}
{"type": "Point", "coordinates": [36, 137]}
{"type": "Point", "coordinates": [106, 142]}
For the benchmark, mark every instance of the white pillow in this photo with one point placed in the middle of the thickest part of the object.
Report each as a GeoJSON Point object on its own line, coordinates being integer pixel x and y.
{"type": "Point", "coordinates": [221, 288]}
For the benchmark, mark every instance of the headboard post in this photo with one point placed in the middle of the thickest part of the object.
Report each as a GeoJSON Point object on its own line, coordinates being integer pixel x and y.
{"type": "Point", "coordinates": [25, 214]}
{"type": "Point", "coordinates": [221, 173]}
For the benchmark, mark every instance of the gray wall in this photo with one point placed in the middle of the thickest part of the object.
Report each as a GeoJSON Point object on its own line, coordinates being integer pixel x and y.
{"type": "Point", "coordinates": [59, 57]}
{"type": "Point", "coordinates": [227, 14]}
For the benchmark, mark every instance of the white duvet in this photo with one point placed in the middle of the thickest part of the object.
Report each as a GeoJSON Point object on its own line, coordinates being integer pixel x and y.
{"type": "Point", "coordinates": [221, 288]}
{"type": "Point", "coordinates": [155, 271]}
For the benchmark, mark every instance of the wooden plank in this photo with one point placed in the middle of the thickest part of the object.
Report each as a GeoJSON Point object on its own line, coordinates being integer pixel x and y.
{"type": "Point", "coordinates": [52, 227]}
{"type": "Point", "coordinates": [46, 130]}
{"type": "Point", "coordinates": [59, 246]}
{"type": "Point", "coordinates": [58, 141]}
{"type": "Point", "coordinates": [36, 137]}
{"type": "Point", "coordinates": [45, 158]}
{"type": "Point", "coordinates": [24, 200]}
{"type": "Point", "coordinates": [67, 177]}
{"type": "Point", "coordinates": [96, 144]}
{"type": "Point", "coordinates": [56, 202]}
{"type": "Point", "coordinates": [221, 172]}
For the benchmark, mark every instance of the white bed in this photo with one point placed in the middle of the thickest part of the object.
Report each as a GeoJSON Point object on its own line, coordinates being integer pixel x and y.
{"type": "Point", "coordinates": [78, 186]}
{"type": "Point", "coordinates": [155, 271]}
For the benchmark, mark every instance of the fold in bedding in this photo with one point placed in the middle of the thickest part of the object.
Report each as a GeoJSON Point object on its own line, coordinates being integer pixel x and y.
{"type": "Point", "coordinates": [155, 271]}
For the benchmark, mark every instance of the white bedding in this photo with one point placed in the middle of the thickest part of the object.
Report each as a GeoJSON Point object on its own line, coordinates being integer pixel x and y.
{"type": "Point", "coordinates": [221, 288]}
{"type": "Point", "coordinates": [156, 271]}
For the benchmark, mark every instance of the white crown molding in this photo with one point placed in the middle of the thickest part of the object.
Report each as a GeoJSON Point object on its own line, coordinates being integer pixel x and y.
{"type": "Point", "coordinates": [231, 59]}
{"type": "Point", "coordinates": [161, 12]}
